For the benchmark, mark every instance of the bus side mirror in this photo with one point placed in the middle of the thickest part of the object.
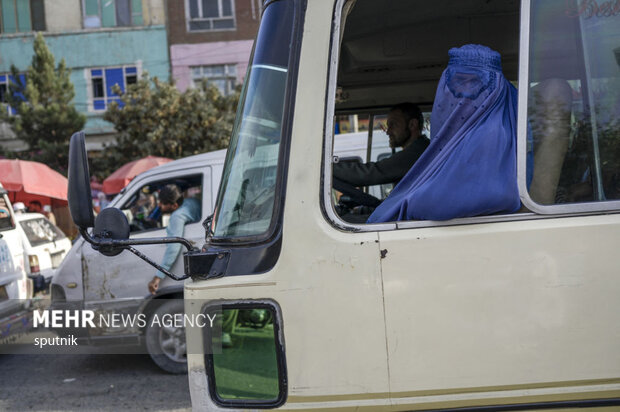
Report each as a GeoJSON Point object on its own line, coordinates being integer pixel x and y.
{"type": "Point", "coordinates": [80, 198]}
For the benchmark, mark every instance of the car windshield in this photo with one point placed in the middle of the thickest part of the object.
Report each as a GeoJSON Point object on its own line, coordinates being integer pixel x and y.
{"type": "Point", "coordinates": [40, 231]}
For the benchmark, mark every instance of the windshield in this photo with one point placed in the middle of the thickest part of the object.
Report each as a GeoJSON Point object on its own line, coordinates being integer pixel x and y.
{"type": "Point", "coordinates": [245, 205]}
{"type": "Point", "coordinates": [40, 231]}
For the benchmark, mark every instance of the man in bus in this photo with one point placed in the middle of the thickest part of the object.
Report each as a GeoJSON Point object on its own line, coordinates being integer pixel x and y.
{"type": "Point", "coordinates": [404, 128]}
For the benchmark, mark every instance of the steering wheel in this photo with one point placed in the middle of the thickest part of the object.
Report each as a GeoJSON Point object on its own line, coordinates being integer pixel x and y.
{"type": "Point", "coordinates": [356, 195]}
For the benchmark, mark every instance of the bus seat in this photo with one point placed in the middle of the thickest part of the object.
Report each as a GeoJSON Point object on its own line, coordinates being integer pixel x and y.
{"type": "Point", "coordinates": [550, 118]}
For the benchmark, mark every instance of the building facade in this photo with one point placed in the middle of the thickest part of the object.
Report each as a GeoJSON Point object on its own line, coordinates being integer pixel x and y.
{"type": "Point", "coordinates": [103, 42]}
{"type": "Point", "coordinates": [211, 39]}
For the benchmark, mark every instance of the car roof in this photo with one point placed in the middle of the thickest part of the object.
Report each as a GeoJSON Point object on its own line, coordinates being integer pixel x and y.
{"type": "Point", "coordinates": [216, 157]}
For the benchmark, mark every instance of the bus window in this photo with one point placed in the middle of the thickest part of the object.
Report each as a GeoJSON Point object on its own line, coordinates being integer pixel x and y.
{"type": "Point", "coordinates": [575, 49]}
{"type": "Point", "coordinates": [400, 57]}
{"type": "Point", "coordinates": [568, 139]}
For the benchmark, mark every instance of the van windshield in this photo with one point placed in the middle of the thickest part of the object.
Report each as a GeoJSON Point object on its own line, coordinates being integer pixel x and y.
{"type": "Point", "coordinates": [246, 200]}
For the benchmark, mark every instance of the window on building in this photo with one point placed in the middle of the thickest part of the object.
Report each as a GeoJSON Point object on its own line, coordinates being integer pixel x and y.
{"type": "Point", "coordinates": [210, 15]}
{"type": "Point", "coordinates": [3, 91]}
{"type": "Point", "coordinates": [21, 16]}
{"type": "Point", "coordinates": [112, 13]}
{"type": "Point", "coordinates": [6, 80]}
{"type": "Point", "coordinates": [103, 80]}
{"type": "Point", "coordinates": [223, 76]}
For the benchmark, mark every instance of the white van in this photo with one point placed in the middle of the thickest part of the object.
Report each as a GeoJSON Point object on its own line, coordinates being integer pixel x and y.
{"type": "Point", "coordinates": [503, 311]}
{"type": "Point", "coordinates": [98, 282]}
{"type": "Point", "coordinates": [94, 281]}
{"type": "Point", "coordinates": [15, 287]}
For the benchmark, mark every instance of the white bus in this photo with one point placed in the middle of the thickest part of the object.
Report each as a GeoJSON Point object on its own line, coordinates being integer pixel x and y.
{"type": "Point", "coordinates": [511, 310]}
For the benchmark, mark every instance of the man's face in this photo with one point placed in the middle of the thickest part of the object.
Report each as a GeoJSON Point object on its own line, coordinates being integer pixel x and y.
{"type": "Point", "coordinates": [397, 128]}
{"type": "Point", "coordinates": [168, 207]}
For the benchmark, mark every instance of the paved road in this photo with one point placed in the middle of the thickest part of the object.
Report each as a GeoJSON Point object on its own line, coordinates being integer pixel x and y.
{"type": "Point", "coordinates": [89, 383]}
{"type": "Point", "coordinates": [97, 382]}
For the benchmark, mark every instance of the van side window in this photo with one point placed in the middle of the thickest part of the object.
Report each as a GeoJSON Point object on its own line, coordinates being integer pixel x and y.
{"type": "Point", "coordinates": [142, 208]}
{"type": "Point", "coordinates": [6, 221]}
{"type": "Point", "coordinates": [573, 104]}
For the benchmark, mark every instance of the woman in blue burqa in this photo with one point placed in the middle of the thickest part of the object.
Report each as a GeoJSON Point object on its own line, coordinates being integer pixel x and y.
{"type": "Point", "coordinates": [469, 168]}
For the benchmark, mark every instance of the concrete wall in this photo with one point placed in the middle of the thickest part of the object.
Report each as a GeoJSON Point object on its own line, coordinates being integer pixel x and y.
{"type": "Point", "coordinates": [66, 15]}
{"type": "Point", "coordinates": [154, 11]}
{"type": "Point", "coordinates": [63, 15]}
{"type": "Point", "coordinates": [184, 56]}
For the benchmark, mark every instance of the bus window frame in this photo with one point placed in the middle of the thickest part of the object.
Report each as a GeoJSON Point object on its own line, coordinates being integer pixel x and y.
{"type": "Point", "coordinates": [536, 211]}
{"type": "Point", "coordinates": [557, 209]}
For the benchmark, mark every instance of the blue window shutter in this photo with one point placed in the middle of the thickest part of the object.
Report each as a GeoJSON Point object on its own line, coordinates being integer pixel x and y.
{"type": "Point", "coordinates": [99, 104]}
{"type": "Point", "coordinates": [112, 77]}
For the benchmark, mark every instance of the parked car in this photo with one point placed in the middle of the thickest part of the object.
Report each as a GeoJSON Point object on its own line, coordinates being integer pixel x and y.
{"type": "Point", "coordinates": [93, 281]}
{"type": "Point", "coordinates": [105, 284]}
{"type": "Point", "coordinates": [15, 287]}
{"type": "Point", "coordinates": [45, 246]}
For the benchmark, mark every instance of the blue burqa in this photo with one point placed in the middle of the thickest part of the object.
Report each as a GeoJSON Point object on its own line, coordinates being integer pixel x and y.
{"type": "Point", "coordinates": [470, 166]}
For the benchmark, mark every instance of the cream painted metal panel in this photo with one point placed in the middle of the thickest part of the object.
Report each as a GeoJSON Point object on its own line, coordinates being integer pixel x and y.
{"type": "Point", "coordinates": [503, 308]}
{"type": "Point", "coordinates": [328, 283]}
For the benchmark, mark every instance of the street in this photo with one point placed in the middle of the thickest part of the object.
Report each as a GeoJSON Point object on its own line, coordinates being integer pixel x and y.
{"type": "Point", "coordinates": [89, 382]}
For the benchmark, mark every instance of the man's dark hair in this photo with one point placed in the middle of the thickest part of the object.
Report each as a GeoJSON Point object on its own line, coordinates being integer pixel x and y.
{"type": "Point", "coordinates": [411, 111]}
{"type": "Point", "coordinates": [170, 195]}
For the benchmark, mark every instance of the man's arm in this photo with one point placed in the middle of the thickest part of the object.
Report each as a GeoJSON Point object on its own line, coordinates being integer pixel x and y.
{"type": "Point", "coordinates": [389, 170]}
{"type": "Point", "coordinates": [189, 212]}
{"type": "Point", "coordinates": [175, 228]}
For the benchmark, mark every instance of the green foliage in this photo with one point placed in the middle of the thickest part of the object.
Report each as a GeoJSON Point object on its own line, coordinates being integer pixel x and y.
{"type": "Point", "coordinates": [157, 119]}
{"type": "Point", "coordinates": [46, 117]}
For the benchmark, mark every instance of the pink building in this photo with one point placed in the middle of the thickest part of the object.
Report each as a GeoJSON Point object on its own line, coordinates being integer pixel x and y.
{"type": "Point", "coordinates": [223, 63]}
{"type": "Point", "coordinates": [211, 39]}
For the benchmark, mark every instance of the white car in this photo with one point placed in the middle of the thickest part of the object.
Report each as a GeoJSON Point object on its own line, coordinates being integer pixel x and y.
{"type": "Point", "coordinates": [15, 287]}
{"type": "Point", "coordinates": [45, 246]}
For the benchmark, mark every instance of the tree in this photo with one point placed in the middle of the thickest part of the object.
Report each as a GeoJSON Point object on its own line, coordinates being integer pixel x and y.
{"type": "Point", "coordinates": [155, 118]}
{"type": "Point", "coordinates": [45, 117]}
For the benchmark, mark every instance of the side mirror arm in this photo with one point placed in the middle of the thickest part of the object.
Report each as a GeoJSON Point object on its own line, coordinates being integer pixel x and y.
{"type": "Point", "coordinates": [105, 244]}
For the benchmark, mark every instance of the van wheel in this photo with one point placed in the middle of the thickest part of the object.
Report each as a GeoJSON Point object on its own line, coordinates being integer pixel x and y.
{"type": "Point", "coordinates": [166, 343]}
